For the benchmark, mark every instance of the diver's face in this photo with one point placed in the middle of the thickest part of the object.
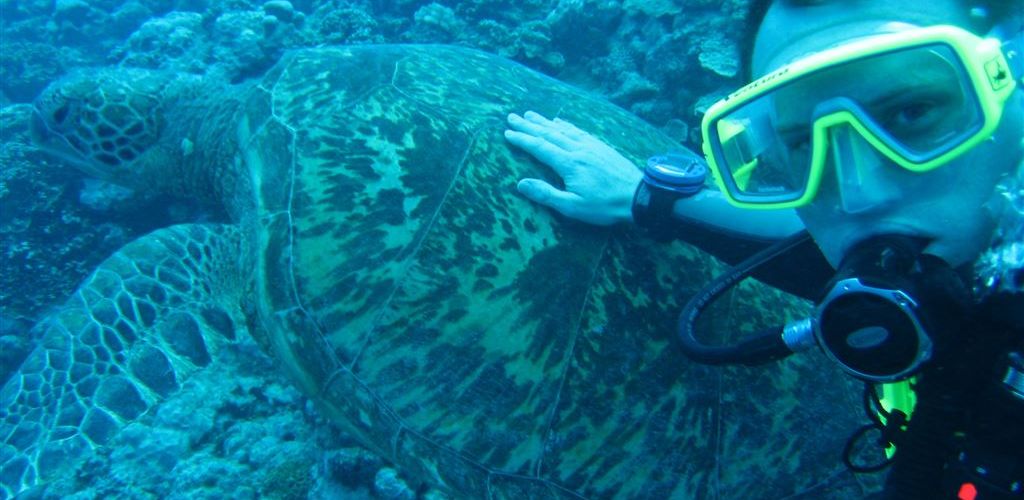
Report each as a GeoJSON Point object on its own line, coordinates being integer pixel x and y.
{"type": "Point", "coordinates": [945, 205]}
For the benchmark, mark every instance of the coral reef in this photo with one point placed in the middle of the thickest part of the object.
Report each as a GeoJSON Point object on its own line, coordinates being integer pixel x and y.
{"type": "Point", "coordinates": [27, 67]}
{"type": "Point", "coordinates": [388, 485]}
{"type": "Point", "coordinates": [56, 226]}
{"type": "Point", "coordinates": [435, 23]}
{"type": "Point", "coordinates": [655, 58]}
{"type": "Point", "coordinates": [174, 41]}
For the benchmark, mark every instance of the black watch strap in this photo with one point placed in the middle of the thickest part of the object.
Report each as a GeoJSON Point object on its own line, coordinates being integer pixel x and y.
{"type": "Point", "coordinates": [667, 178]}
{"type": "Point", "coordinates": [652, 210]}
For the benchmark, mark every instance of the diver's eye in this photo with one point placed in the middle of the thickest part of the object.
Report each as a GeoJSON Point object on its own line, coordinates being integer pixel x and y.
{"type": "Point", "coordinates": [912, 115]}
{"type": "Point", "coordinates": [917, 116]}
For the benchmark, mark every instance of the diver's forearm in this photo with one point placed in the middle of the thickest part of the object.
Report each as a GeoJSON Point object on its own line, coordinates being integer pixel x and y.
{"type": "Point", "coordinates": [711, 210]}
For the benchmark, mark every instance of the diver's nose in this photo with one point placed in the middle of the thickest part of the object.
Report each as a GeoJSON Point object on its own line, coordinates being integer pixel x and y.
{"type": "Point", "coordinates": [862, 173]}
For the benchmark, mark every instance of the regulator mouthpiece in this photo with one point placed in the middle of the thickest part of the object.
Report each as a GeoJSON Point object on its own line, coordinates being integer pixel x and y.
{"type": "Point", "coordinates": [889, 310]}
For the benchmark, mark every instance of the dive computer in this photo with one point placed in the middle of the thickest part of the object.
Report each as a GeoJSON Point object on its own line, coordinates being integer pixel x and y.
{"type": "Point", "coordinates": [667, 178]}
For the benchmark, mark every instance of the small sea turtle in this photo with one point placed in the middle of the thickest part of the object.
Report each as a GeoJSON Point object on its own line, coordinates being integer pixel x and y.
{"type": "Point", "coordinates": [378, 250]}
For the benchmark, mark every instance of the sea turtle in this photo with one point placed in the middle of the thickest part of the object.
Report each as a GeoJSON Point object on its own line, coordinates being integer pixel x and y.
{"type": "Point", "coordinates": [378, 250]}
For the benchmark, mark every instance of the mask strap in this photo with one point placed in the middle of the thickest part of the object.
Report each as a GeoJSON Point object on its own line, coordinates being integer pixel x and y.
{"type": "Point", "coordinates": [1012, 35]}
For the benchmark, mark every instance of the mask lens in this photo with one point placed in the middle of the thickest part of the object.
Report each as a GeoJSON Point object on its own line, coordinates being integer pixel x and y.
{"type": "Point", "coordinates": [870, 336]}
{"type": "Point", "coordinates": [927, 106]}
{"type": "Point", "coordinates": [913, 105]}
{"type": "Point", "coordinates": [759, 162]}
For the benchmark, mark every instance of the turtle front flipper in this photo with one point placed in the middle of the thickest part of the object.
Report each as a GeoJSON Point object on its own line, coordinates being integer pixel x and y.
{"type": "Point", "coordinates": [153, 314]}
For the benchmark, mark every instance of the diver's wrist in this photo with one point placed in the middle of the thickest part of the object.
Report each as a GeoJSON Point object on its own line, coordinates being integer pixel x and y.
{"type": "Point", "coordinates": [627, 208]}
{"type": "Point", "coordinates": [666, 179]}
{"type": "Point", "coordinates": [653, 207]}
{"type": "Point", "coordinates": [711, 208]}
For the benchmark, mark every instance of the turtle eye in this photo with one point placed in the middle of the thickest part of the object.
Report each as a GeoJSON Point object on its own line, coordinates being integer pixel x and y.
{"type": "Point", "coordinates": [60, 114]}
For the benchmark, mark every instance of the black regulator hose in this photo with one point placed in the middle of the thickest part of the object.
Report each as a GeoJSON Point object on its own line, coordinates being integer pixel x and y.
{"type": "Point", "coordinates": [763, 347]}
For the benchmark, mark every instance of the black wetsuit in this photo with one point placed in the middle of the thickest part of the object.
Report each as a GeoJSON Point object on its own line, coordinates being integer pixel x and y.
{"type": "Point", "coordinates": [962, 411]}
{"type": "Point", "coordinates": [809, 282]}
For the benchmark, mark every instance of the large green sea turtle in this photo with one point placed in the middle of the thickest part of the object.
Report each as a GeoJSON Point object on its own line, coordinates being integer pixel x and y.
{"type": "Point", "coordinates": [379, 252]}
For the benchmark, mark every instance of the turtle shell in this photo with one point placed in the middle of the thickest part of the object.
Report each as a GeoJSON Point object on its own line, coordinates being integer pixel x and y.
{"type": "Point", "coordinates": [475, 339]}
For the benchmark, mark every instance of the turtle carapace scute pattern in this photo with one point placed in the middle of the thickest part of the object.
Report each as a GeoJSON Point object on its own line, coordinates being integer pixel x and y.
{"type": "Point", "coordinates": [379, 252]}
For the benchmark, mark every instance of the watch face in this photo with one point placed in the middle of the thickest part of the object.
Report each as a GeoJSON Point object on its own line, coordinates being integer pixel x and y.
{"type": "Point", "coordinates": [682, 174]}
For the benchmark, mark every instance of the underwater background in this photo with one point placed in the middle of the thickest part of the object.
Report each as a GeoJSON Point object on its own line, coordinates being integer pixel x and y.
{"type": "Point", "coordinates": [251, 434]}
{"type": "Point", "coordinates": [664, 61]}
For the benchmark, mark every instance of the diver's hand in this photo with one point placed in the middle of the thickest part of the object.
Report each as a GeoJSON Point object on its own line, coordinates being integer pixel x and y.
{"type": "Point", "coordinates": [599, 182]}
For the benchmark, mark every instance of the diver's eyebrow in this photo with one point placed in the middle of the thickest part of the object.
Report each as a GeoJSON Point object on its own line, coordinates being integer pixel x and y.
{"type": "Point", "coordinates": [887, 97]}
{"type": "Point", "coordinates": [923, 82]}
{"type": "Point", "coordinates": [900, 94]}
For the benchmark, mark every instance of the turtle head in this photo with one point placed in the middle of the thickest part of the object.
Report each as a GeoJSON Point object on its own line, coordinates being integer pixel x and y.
{"type": "Point", "coordinates": [102, 121]}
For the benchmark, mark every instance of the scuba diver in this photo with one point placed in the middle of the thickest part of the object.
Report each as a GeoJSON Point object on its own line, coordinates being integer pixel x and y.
{"type": "Point", "coordinates": [874, 167]}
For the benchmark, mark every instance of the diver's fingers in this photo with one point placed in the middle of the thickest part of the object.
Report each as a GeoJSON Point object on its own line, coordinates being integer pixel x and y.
{"type": "Point", "coordinates": [570, 130]}
{"type": "Point", "coordinates": [545, 194]}
{"type": "Point", "coordinates": [562, 127]}
{"type": "Point", "coordinates": [549, 154]}
{"type": "Point", "coordinates": [536, 125]}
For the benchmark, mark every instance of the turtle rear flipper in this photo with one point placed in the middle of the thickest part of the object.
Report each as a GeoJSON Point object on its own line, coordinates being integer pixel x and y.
{"type": "Point", "coordinates": [152, 315]}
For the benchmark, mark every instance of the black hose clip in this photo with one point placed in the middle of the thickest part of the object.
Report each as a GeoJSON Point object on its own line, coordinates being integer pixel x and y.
{"type": "Point", "coordinates": [890, 432]}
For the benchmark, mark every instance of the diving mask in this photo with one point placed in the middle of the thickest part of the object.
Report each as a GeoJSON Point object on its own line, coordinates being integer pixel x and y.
{"type": "Point", "coordinates": [919, 98]}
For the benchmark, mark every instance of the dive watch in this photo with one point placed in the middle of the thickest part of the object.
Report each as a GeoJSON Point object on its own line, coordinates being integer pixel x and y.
{"type": "Point", "coordinates": [667, 178]}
